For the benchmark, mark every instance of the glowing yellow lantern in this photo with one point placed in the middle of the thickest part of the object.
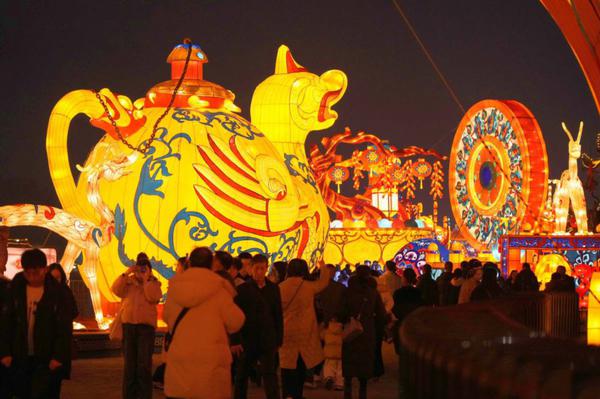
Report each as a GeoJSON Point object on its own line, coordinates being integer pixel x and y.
{"type": "Point", "coordinates": [547, 264]}
{"type": "Point", "coordinates": [179, 168]}
{"type": "Point", "coordinates": [593, 319]}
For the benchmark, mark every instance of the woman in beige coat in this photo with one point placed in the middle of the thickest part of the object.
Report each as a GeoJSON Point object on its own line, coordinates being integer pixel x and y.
{"type": "Point", "coordinates": [199, 359]}
{"type": "Point", "coordinates": [301, 347]}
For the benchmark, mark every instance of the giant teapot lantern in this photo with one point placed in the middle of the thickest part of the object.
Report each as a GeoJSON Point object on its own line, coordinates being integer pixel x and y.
{"type": "Point", "coordinates": [201, 176]}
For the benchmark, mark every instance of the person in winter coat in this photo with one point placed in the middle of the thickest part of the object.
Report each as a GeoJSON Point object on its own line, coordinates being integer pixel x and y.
{"type": "Point", "coordinates": [526, 280]}
{"type": "Point", "coordinates": [221, 264]}
{"type": "Point", "coordinates": [329, 300]}
{"type": "Point", "coordinates": [35, 330]}
{"type": "Point", "coordinates": [388, 283]}
{"type": "Point", "coordinates": [378, 367]}
{"type": "Point", "coordinates": [332, 349]}
{"type": "Point", "coordinates": [301, 348]}
{"type": "Point", "coordinates": [428, 287]}
{"type": "Point", "coordinates": [489, 287]}
{"type": "Point", "coordinates": [469, 285]}
{"type": "Point", "coordinates": [246, 270]}
{"type": "Point", "coordinates": [510, 284]}
{"type": "Point", "coordinates": [140, 293]}
{"type": "Point", "coordinates": [455, 283]}
{"type": "Point", "coordinates": [406, 299]}
{"type": "Point", "coordinates": [443, 284]}
{"type": "Point", "coordinates": [56, 271]}
{"type": "Point", "coordinates": [234, 272]}
{"type": "Point", "coordinates": [361, 301]}
{"type": "Point", "coordinates": [570, 281]}
{"type": "Point", "coordinates": [199, 358]}
{"type": "Point", "coordinates": [182, 264]}
{"type": "Point", "coordinates": [280, 271]}
{"type": "Point", "coordinates": [262, 333]}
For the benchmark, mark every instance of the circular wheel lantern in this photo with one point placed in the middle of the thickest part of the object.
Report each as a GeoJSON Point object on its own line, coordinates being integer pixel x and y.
{"type": "Point", "coordinates": [498, 172]}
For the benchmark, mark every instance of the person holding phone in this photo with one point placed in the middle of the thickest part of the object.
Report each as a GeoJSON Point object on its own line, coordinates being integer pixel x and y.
{"type": "Point", "coordinates": [140, 292]}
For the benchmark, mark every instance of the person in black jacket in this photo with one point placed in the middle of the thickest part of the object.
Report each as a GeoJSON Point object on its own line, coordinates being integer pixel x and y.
{"type": "Point", "coordinates": [526, 280]}
{"type": "Point", "coordinates": [428, 287]}
{"type": "Point", "coordinates": [262, 333]}
{"type": "Point", "coordinates": [443, 284]}
{"type": "Point", "coordinates": [56, 271]}
{"type": "Point", "coordinates": [37, 345]}
{"type": "Point", "coordinates": [488, 288]}
{"type": "Point", "coordinates": [361, 300]}
{"type": "Point", "coordinates": [329, 300]}
{"type": "Point", "coordinates": [406, 299]}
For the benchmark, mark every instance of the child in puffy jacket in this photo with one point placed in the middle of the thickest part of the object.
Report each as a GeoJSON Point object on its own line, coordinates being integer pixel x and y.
{"type": "Point", "coordinates": [332, 369]}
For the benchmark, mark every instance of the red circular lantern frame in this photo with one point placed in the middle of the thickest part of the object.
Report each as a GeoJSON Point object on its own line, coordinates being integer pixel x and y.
{"type": "Point", "coordinates": [477, 211]}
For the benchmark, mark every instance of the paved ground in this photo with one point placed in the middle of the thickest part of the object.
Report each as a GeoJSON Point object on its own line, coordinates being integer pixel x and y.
{"type": "Point", "coordinates": [101, 378]}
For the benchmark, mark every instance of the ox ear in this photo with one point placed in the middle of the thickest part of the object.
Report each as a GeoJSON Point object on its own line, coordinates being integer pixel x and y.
{"type": "Point", "coordinates": [285, 63]}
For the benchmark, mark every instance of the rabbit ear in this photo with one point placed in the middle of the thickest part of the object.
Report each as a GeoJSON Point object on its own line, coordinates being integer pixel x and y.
{"type": "Point", "coordinates": [566, 129]}
{"type": "Point", "coordinates": [580, 131]}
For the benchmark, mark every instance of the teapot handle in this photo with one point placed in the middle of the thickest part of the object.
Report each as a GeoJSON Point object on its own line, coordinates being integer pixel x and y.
{"type": "Point", "coordinates": [71, 105]}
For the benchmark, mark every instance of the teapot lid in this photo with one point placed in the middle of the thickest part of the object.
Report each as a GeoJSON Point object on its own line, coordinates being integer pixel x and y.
{"type": "Point", "coordinates": [210, 94]}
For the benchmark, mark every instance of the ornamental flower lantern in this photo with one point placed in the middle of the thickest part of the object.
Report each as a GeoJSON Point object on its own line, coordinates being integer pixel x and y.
{"type": "Point", "coordinates": [338, 175]}
{"type": "Point", "coordinates": [422, 170]}
{"type": "Point", "coordinates": [181, 168]}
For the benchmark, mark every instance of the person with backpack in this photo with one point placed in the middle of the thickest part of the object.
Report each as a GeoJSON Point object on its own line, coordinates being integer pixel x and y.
{"type": "Point", "coordinates": [200, 313]}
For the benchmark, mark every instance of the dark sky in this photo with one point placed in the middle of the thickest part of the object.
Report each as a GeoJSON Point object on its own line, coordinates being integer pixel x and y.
{"type": "Point", "coordinates": [509, 49]}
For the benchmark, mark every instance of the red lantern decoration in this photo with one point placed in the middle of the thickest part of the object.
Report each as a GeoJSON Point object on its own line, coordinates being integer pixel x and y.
{"type": "Point", "coordinates": [422, 170]}
{"type": "Point", "coordinates": [371, 158]}
{"type": "Point", "coordinates": [338, 175]}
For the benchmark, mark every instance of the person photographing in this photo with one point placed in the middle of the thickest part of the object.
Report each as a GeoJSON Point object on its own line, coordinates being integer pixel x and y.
{"type": "Point", "coordinates": [140, 292]}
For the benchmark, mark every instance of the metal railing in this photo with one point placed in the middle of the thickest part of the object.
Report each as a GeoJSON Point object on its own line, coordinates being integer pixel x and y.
{"type": "Point", "coordinates": [522, 346]}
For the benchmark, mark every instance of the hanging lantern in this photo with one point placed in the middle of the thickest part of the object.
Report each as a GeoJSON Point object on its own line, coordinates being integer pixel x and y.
{"type": "Point", "coordinates": [338, 175]}
{"type": "Point", "coordinates": [396, 174]}
{"type": "Point", "coordinates": [422, 170]}
{"type": "Point", "coordinates": [371, 158]}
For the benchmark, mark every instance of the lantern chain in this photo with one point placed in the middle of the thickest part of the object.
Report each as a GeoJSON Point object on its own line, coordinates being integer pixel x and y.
{"type": "Point", "coordinates": [145, 146]}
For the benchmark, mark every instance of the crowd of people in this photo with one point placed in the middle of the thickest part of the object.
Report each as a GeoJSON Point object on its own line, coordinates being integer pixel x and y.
{"type": "Point", "coordinates": [235, 319]}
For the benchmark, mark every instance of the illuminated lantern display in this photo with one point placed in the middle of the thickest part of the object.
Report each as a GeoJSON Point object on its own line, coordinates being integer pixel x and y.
{"type": "Point", "coordinates": [166, 179]}
{"type": "Point", "coordinates": [498, 172]}
{"type": "Point", "coordinates": [437, 189]}
{"type": "Point", "coordinates": [417, 253]}
{"type": "Point", "coordinates": [569, 190]}
{"type": "Point", "coordinates": [371, 158]}
{"type": "Point", "coordinates": [593, 317]}
{"type": "Point", "coordinates": [375, 229]}
{"type": "Point", "coordinates": [422, 170]}
{"type": "Point", "coordinates": [547, 265]}
{"type": "Point", "coordinates": [338, 175]}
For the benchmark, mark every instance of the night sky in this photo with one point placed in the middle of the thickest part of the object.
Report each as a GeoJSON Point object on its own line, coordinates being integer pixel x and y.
{"type": "Point", "coordinates": [509, 49]}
